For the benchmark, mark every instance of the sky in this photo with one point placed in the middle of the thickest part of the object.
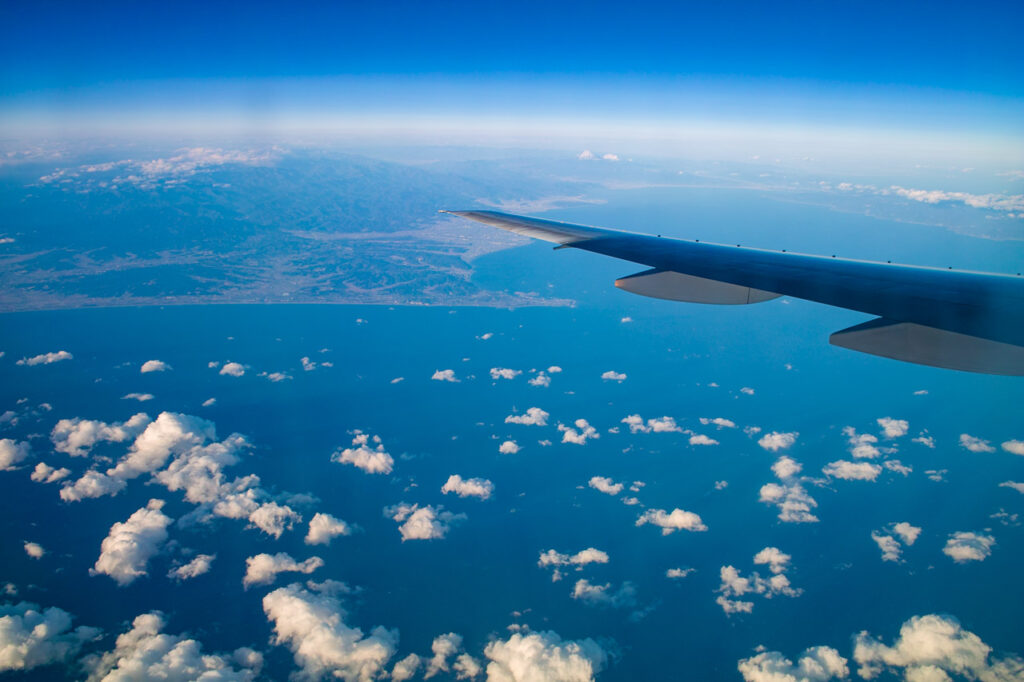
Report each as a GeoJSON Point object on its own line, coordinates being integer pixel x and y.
{"type": "Point", "coordinates": [880, 70]}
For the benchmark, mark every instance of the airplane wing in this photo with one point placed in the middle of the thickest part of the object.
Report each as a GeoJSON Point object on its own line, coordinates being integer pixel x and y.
{"type": "Point", "coordinates": [969, 321]}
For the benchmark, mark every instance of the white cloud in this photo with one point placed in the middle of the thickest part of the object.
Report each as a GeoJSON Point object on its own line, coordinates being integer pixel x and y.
{"type": "Point", "coordinates": [861, 444]}
{"type": "Point", "coordinates": [509, 447]}
{"type": "Point", "coordinates": [168, 433]}
{"type": "Point", "coordinates": [307, 364]}
{"type": "Point", "coordinates": [198, 566]}
{"type": "Point", "coordinates": [554, 369]}
{"type": "Point", "coordinates": [626, 320]}
{"type": "Point", "coordinates": [893, 428]}
{"type": "Point", "coordinates": [891, 549]}
{"type": "Point", "coordinates": [154, 366]}
{"type": "Point", "coordinates": [605, 485]}
{"type": "Point", "coordinates": [671, 522]}
{"type": "Point", "coordinates": [76, 437]}
{"type": "Point", "coordinates": [786, 467]}
{"type": "Point", "coordinates": [12, 453]}
{"type": "Point", "coordinates": [541, 379]}
{"type": "Point", "coordinates": [734, 584]}
{"type": "Point", "coordinates": [406, 668]}
{"type": "Point", "coordinates": [485, 336]}
{"type": "Point", "coordinates": [995, 202]}
{"type": "Point", "coordinates": [965, 546]}
{"type": "Point", "coordinates": [928, 648]}
{"type": "Point", "coordinates": [586, 155]}
{"type": "Point", "coordinates": [1015, 447]}
{"type": "Point", "coordinates": [276, 377]}
{"type": "Point", "coordinates": [636, 424]}
{"type": "Point", "coordinates": [34, 550]}
{"type": "Point", "coordinates": [701, 439]}
{"type": "Point", "coordinates": [44, 473]}
{"type": "Point", "coordinates": [46, 358]}
{"type": "Point", "coordinates": [907, 532]}
{"type": "Point", "coordinates": [776, 440]}
{"type": "Point", "coordinates": [262, 569]}
{"type": "Point", "coordinates": [128, 547]}
{"type": "Point", "coordinates": [897, 466]}
{"type": "Point", "coordinates": [555, 560]}
{"type": "Point", "coordinates": [747, 390]}
{"type": "Point", "coordinates": [146, 653]}
{"type": "Point", "coordinates": [443, 648]}
{"type": "Point", "coordinates": [273, 518]}
{"type": "Point", "coordinates": [852, 471]}
{"type": "Point", "coordinates": [141, 397]}
{"type": "Point", "coordinates": [472, 487]}
{"type": "Point", "coordinates": [603, 595]}
{"type": "Point", "coordinates": [534, 416]}
{"type": "Point", "coordinates": [610, 157]}
{"type": "Point", "coordinates": [466, 667]}
{"type": "Point", "coordinates": [794, 503]}
{"type": "Point", "coordinates": [504, 373]}
{"type": "Point", "coordinates": [209, 402]}
{"type": "Point", "coordinates": [720, 422]}
{"type": "Point", "coordinates": [679, 572]}
{"type": "Point", "coordinates": [313, 627]}
{"type": "Point", "coordinates": [612, 375]}
{"type": "Point", "coordinates": [584, 433]}
{"type": "Point", "coordinates": [1019, 487]}
{"type": "Point", "coordinates": [445, 375]}
{"type": "Point", "coordinates": [232, 369]}
{"type": "Point", "coordinates": [422, 523]}
{"type": "Point", "coordinates": [31, 637]}
{"type": "Point", "coordinates": [927, 441]}
{"type": "Point", "coordinates": [91, 484]}
{"type": "Point", "coordinates": [975, 444]}
{"type": "Point", "coordinates": [889, 539]}
{"type": "Point", "coordinates": [323, 528]}
{"type": "Point", "coordinates": [543, 657]}
{"type": "Point", "coordinates": [373, 460]}
{"type": "Point", "coordinates": [817, 664]}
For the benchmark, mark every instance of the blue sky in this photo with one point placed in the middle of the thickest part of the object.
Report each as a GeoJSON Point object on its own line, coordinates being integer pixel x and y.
{"type": "Point", "coordinates": [867, 65]}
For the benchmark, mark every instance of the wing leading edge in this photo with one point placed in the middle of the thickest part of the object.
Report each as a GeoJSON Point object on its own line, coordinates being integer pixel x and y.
{"type": "Point", "coordinates": [970, 321]}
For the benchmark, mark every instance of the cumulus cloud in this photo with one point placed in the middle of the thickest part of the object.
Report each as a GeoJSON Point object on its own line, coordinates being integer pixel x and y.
{"type": "Point", "coordinates": [556, 560]}
{"type": "Point", "coordinates": [605, 485]}
{"type": "Point", "coordinates": [889, 539]}
{"type": "Point", "coordinates": [543, 657]}
{"type": "Point", "coordinates": [44, 473]}
{"type": "Point", "coordinates": [323, 528]}
{"type": "Point", "coordinates": [965, 546]}
{"type": "Point", "coordinates": [794, 502]}
{"type": "Point", "coordinates": [776, 440]}
{"type": "Point", "coordinates": [612, 375]}
{"type": "Point", "coordinates": [1013, 485]}
{"type": "Point", "coordinates": [196, 567]}
{"type": "Point", "coordinates": [604, 595]}
{"type": "Point", "coordinates": [975, 444]}
{"type": "Point", "coordinates": [471, 487]}
{"type": "Point", "coordinates": [541, 379]}
{"type": "Point", "coordinates": [77, 437]}
{"type": "Point", "coordinates": [862, 445]}
{"type": "Point", "coordinates": [579, 435]}
{"type": "Point", "coordinates": [720, 422]}
{"type": "Point", "coordinates": [31, 636]}
{"type": "Point", "coordinates": [852, 471]}
{"type": "Point", "coordinates": [509, 447]}
{"type": "Point", "coordinates": [12, 453]}
{"type": "Point", "coordinates": [168, 433]}
{"type": "Point", "coordinates": [128, 547]}
{"type": "Point", "coordinates": [422, 523]}
{"type": "Point", "coordinates": [445, 375]}
{"type": "Point", "coordinates": [406, 668]}
{"type": "Point", "coordinates": [312, 625]}
{"type": "Point", "coordinates": [443, 647]}
{"type": "Point", "coordinates": [677, 573]}
{"type": "Point", "coordinates": [232, 369]}
{"type": "Point", "coordinates": [893, 428]}
{"type": "Point", "coordinates": [372, 460]}
{"type": "Point", "coordinates": [504, 373]}
{"type": "Point", "coordinates": [534, 416]}
{"type": "Point", "coordinates": [34, 550]}
{"type": "Point", "coordinates": [154, 366]}
{"type": "Point", "coordinates": [273, 518]}
{"type": "Point", "coordinates": [147, 653]}
{"type": "Point", "coordinates": [46, 358]}
{"type": "Point", "coordinates": [586, 155]}
{"type": "Point", "coordinates": [1015, 447]}
{"type": "Point", "coordinates": [934, 647]}
{"type": "Point", "coordinates": [747, 390]}
{"type": "Point", "coordinates": [817, 664]}
{"type": "Point", "coordinates": [636, 424]}
{"type": "Point", "coordinates": [734, 585]}
{"type": "Point", "coordinates": [91, 484]}
{"type": "Point", "coordinates": [466, 667]}
{"type": "Point", "coordinates": [141, 397]}
{"type": "Point", "coordinates": [262, 569]}
{"type": "Point", "coordinates": [669, 522]}
{"type": "Point", "coordinates": [701, 439]}
{"type": "Point", "coordinates": [995, 202]}
{"type": "Point", "coordinates": [276, 377]}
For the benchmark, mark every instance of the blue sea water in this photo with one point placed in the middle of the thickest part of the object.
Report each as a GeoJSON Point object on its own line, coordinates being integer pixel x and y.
{"type": "Point", "coordinates": [682, 361]}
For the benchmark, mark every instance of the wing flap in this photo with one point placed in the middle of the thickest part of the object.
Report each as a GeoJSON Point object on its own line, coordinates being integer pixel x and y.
{"type": "Point", "coordinates": [916, 343]}
{"type": "Point", "coordinates": [675, 286]}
